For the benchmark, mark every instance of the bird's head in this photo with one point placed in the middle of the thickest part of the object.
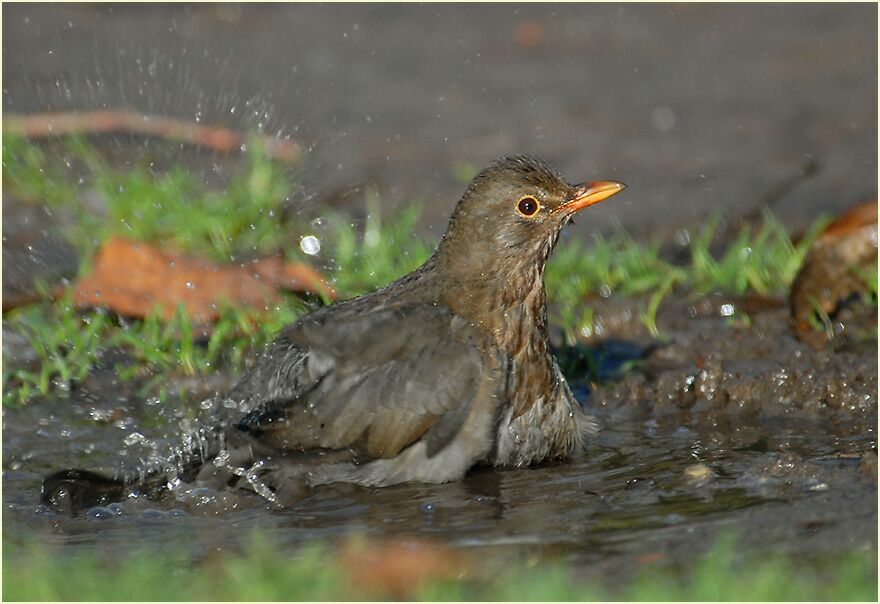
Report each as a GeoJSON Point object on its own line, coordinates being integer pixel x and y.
{"type": "Point", "coordinates": [507, 222]}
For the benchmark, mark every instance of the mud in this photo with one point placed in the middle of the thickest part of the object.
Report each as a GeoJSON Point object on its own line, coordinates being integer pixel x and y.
{"type": "Point", "coordinates": [738, 356]}
{"type": "Point", "coordinates": [723, 425]}
{"type": "Point", "coordinates": [35, 254]}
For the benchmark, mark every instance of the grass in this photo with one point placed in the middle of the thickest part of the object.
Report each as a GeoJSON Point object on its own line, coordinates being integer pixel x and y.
{"type": "Point", "coordinates": [70, 342]}
{"type": "Point", "coordinates": [247, 219]}
{"type": "Point", "coordinates": [250, 217]}
{"type": "Point", "coordinates": [760, 259]}
{"type": "Point", "coordinates": [262, 572]}
{"type": "Point", "coordinates": [870, 278]}
{"type": "Point", "coordinates": [171, 207]}
{"type": "Point", "coordinates": [382, 252]}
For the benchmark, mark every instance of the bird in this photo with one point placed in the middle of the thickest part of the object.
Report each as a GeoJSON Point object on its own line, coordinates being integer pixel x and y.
{"type": "Point", "coordinates": [444, 369]}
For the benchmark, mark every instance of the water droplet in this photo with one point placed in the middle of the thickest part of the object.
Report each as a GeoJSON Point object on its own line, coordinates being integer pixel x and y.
{"type": "Point", "coordinates": [428, 508]}
{"type": "Point", "coordinates": [44, 510]}
{"type": "Point", "coordinates": [221, 458]}
{"type": "Point", "coordinates": [134, 438]}
{"type": "Point", "coordinates": [682, 237]}
{"type": "Point", "coordinates": [100, 513]}
{"type": "Point", "coordinates": [310, 245]}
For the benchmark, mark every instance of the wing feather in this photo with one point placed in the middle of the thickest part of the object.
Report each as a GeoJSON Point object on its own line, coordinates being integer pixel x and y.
{"type": "Point", "coordinates": [375, 381]}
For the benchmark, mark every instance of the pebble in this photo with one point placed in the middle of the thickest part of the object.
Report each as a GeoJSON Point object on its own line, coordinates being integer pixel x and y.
{"type": "Point", "coordinates": [699, 474]}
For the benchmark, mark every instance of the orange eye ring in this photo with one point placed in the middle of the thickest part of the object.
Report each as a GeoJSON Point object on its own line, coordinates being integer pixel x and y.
{"type": "Point", "coordinates": [528, 206]}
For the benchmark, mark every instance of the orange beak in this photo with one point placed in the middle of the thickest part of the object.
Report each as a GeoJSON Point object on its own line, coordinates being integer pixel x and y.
{"type": "Point", "coordinates": [592, 192]}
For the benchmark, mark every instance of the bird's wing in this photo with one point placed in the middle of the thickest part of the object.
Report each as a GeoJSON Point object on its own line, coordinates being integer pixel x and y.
{"type": "Point", "coordinates": [375, 380]}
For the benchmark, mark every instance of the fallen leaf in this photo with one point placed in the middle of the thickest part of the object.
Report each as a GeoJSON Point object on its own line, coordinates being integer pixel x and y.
{"type": "Point", "coordinates": [864, 214]}
{"type": "Point", "coordinates": [398, 567]}
{"type": "Point", "coordinates": [828, 275]}
{"type": "Point", "coordinates": [293, 276]}
{"type": "Point", "coordinates": [132, 278]}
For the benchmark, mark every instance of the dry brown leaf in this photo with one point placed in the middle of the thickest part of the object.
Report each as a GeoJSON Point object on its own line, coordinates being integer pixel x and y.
{"type": "Point", "coordinates": [132, 278]}
{"type": "Point", "coordinates": [851, 221]}
{"type": "Point", "coordinates": [398, 567]}
{"type": "Point", "coordinates": [827, 275]}
{"type": "Point", "coordinates": [293, 276]}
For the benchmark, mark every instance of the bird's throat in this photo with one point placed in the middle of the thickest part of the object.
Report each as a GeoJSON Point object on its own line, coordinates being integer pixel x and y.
{"type": "Point", "coordinates": [509, 310]}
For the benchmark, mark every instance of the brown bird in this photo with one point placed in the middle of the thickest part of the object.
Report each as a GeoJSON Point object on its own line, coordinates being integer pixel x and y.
{"type": "Point", "coordinates": [447, 367]}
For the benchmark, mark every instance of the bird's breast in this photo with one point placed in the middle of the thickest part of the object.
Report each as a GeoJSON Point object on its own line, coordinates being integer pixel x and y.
{"type": "Point", "coordinates": [540, 418]}
{"type": "Point", "coordinates": [520, 332]}
{"type": "Point", "coordinates": [511, 320]}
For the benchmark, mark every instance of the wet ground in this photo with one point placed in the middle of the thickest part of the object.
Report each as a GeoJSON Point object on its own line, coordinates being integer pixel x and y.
{"type": "Point", "coordinates": [720, 427]}
{"type": "Point", "coordinates": [724, 423]}
{"type": "Point", "coordinates": [696, 107]}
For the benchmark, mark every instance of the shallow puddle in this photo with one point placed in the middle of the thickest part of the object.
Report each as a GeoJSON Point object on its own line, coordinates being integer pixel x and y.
{"type": "Point", "coordinates": [661, 480]}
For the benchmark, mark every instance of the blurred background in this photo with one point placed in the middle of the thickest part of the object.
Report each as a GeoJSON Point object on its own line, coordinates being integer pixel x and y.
{"type": "Point", "coordinates": [695, 107]}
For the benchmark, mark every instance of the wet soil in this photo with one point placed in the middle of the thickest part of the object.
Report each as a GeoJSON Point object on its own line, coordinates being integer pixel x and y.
{"type": "Point", "coordinates": [35, 254]}
{"type": "Point", "coordinates": [719, 425]}
{"type": "Point", "coordinates": [662, 97]}
{"type": "Point", "coordinates": [737, 356]}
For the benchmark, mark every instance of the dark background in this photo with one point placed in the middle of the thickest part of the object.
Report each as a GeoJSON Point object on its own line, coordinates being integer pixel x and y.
{"type": "Point", "coordinates": [695, 107]}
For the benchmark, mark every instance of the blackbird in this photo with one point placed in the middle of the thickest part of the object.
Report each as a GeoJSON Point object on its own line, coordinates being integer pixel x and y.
{"type": "Point", "coordinates": [447, 367]}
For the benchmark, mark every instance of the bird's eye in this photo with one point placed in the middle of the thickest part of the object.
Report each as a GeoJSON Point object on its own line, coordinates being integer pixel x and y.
{"type": "Point", "coordinates": [528, 206]}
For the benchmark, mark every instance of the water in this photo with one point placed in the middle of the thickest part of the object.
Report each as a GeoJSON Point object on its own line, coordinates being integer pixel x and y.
{"type": "Point", "coordinates": [776, 484]}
